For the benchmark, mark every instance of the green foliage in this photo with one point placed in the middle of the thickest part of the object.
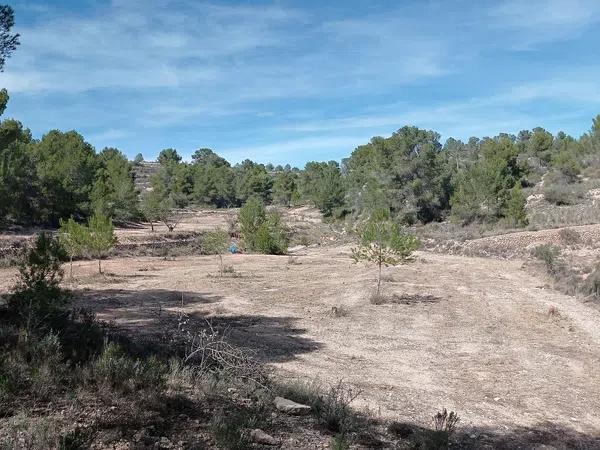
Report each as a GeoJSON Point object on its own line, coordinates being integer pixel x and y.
{"type": "Point", "coordinates": [260, 231]}
{"type": "Point", "coordinates": [169, 156]}
{"type": "Point", "coordinates": [19, 187]}
{"type": "Point", "coordinates": [514, 208]}
{"type": "Point", "coordinates": [285, 188]}
{"type": "Point", "coordinates": [122, 373]}
{"type": "Point", "coordinates": [73, 237]}
{"type": "Point", "coordinates": [101, 237]}
{"type": "Point", "coordinates": [322, 184]}
{"type": "Point", "coordinates": [150, 207]}
{"type": "Point", "coordinates": [216, 242]}
{"type": "Point", "coordinates": [483, 192]}
{"type": "Point", "coordinates": [139, 159]}
{"type": "Point", "coordinates": [37, 297]}
{"type": "Point", "coordinates": [567, 164]}
{"type": "Point", "coordinates": [250, 218]}
{"type": "Point", "coordinates": [559, 191]}
{"type": "Point", "coordinates": [66, 167]}
{"type": "Point", "coordinates": [8, 41]}
{"type": "Point", "coordinates": [213, 179]}
{"type": "Point", "coordinates": [271, 236]}
{"type": "Point", "coordinates": [383, 242]}
{"type": "Point", "coordinates": [406, 173]}
{"type": "Point", "coordinates": [251, 180]}
{"type": "Point", "coordinates": [114, 191]}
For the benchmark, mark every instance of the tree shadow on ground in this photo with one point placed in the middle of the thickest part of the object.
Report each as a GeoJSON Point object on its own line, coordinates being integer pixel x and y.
{"type": "Point", "coordinates": [153, 316]}
{"type": "Point", "coordinates": [543, 436]}
{"type": "Point", "coordinates": [414, 299]}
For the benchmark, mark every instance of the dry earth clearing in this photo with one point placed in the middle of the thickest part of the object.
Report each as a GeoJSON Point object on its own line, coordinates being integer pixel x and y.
{"type": "Point", "coordinates": [466, 333]}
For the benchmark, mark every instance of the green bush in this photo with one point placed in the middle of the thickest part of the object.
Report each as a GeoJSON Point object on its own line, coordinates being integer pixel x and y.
{"type": "Point", "coordinates": [514, 209]}
{"type": "Point", "coordinates": [122, 373]}
{"type": "Point", "coordinates": [261, 231]}
{"type": "Point", "coordinates": [37, 297]}
{"type": "Point", "coordinates": [548, 254]}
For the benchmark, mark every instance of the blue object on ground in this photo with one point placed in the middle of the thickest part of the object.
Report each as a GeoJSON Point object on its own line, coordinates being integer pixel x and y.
{"type": "Point", "coordinates": [233, 248]}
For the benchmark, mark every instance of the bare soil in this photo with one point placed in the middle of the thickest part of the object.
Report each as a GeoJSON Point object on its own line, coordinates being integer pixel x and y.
{"type": "Point", "coordinates": [481, 336]}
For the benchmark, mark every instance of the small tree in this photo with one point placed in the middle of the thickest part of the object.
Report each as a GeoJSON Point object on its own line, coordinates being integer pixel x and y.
{"type": "Point", "coordinates": [139, 158]}
{"type": "Point", "coordinates": [216, 243]}
{"type": "Point", "coordinates": [73, 238]}
{"type": "Point", "coordinates": [37, 297]}
{"type": "Point", "coordinates": [150, 207]}
{"type": "Point", "coordinates": [167, 214]}
{"type": "Point", "coordinates": [251, 216]}
{"type": "Point", "coordinates": [383, 242]}
{"type": "Point", "coordinates": [101, 237]}
{"type": "Point", "coordinates": [515, 209]}
{"type": "Point", "coordinates": [261, 231]}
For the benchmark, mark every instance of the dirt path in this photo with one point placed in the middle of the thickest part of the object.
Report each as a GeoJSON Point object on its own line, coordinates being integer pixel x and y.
{"type": "Point", "coordinates": [473, 335]}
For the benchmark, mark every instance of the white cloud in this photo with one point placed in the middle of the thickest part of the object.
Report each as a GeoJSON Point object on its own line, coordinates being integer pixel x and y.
{"type": "Point", "coordinates": [541, 21]}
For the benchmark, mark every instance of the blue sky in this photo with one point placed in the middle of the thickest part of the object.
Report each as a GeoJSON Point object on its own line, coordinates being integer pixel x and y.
{"type": "Point", "coordinates": [293, 81]}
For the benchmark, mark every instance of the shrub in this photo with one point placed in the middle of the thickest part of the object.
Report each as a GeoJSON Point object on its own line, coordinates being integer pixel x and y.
{"type": "Point", "coordinates": [333, 407]}
{"type": "Point", "coordinates": [250, 217]}
{"type": "Point", "coordinates": [37, 297]}
{"type": "Point", "coordinates": [262, 232]}
{"type": "Point", "coordinates": [444, 424]}
{"type": "Point", "coordinates": [271, 236]}
{"type": "Point", "coordinates": [122, 373]}
{"type": "Point", "coordinates": [229, 426]}
{"type": "Point", "coordinates": [559, 190]}
{"type": "Point", "coordinates": [514, 209]}
{"type": "Point", "coordinates": [549, 255]}
{"type": "Point", "coordinates": [591, 285]}
{"type": "Point", "coordinates": [339, 442]}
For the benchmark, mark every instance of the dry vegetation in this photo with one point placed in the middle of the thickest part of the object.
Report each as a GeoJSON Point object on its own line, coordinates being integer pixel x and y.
{"type": "Point", "coordinates": [195, 360]}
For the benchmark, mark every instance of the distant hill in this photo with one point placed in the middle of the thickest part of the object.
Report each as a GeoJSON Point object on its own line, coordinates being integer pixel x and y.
{"type": "Point", "coordinates": [142, 172]}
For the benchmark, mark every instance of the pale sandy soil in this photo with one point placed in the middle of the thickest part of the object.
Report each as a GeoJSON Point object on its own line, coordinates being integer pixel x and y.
{"type": "Point", "coordinates": [482, 343]}
{"type": "Point", "coordinates": [474, 334]}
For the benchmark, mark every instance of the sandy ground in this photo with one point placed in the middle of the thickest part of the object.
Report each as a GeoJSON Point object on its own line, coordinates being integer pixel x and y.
{"type": "Point", "coordinates": [473, 335]}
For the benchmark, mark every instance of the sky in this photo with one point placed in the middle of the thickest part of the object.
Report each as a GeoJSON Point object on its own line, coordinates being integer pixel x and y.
{"type": "Point", "coordinates": [293, 81]}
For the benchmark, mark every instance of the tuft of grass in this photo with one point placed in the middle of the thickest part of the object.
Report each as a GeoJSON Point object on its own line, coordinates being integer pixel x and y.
{"type": "Point", "coordinates": [548, 254]}
{"type": "Point", "coordinates": [125, 374]}
{"type": "Point", "coordinates": [377, 298]}
{"type": "Point", "coordinates": [339, 311]}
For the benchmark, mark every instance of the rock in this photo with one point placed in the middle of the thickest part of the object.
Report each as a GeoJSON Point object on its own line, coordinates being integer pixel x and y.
{"type": "Point", "coordinates": [260, 437]}
{"type": "Point", "coordinates": [290, 407]}
{"type": "Point", "coordinates": [164, 442]}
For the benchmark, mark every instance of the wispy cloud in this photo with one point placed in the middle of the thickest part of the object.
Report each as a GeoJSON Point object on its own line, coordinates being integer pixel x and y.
{"type": "Point", "coordinates": [284, 81]}
{"type": "Point", "coordinates": [540, 21]}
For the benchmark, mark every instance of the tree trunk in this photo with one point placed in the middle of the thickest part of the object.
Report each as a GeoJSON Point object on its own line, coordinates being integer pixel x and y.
{"type": "Point", "coordinates": [379, 280]}
{"type": "Point", "coordinates": [99, 265]}
{"type": "Point", "coordinates": [71, 270]}
{"type": "Point", "coordinates": [152, 226]}
{"type": "Point", "coordinates": [220, 265]}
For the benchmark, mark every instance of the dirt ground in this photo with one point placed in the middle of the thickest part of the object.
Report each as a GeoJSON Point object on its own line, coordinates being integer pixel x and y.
{"type": "Point", "coordinates": [473, 335]}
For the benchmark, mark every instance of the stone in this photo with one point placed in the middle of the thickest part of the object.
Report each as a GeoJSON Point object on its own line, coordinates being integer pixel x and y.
{"type": "Point", "coordinates": [290, 407]}
{"type": "Point", "coordinates": [260, 437]}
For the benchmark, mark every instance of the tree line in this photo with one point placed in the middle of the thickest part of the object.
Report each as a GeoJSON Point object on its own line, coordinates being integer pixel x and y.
{"type": "Point", "coordinates": [410, 173]}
